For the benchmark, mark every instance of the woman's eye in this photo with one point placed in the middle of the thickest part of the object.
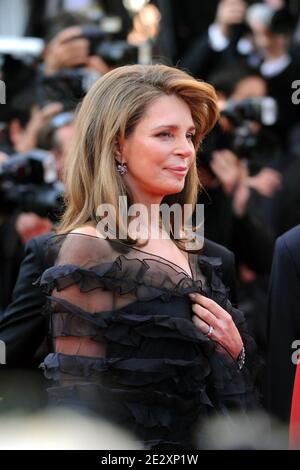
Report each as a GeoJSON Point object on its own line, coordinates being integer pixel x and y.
{"type": "Point", "coordinates": [165, 134]}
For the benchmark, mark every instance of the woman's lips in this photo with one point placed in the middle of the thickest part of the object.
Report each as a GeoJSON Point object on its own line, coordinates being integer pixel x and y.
{"type": "Point", "coordinates": [178, 170]}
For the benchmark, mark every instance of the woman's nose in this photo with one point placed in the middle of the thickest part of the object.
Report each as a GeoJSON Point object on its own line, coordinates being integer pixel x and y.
{"type": "Point", "coordinates": [184, 147]}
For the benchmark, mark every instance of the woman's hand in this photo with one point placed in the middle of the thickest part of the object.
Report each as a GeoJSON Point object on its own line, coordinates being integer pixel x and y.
{"type": "Point", "coordinates": [216, 323]}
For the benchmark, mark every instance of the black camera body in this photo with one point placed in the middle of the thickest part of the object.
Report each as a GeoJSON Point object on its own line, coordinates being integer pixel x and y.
{"type": "Point", "coordinates": [28, 183]}
{"type": "Point", "coordinates": [69, 86]}
{"type": "Point", "coordinates": [241, 114]}
{"type": "Point", "coordinates": [242, 139]}
{"type": "Point", "coordinates": [114, 52]}
{"type": "Point", "coordinates": [261, 110]}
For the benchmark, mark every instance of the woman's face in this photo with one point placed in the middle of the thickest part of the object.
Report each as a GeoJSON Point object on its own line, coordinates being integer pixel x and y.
{"type": "Point", "coordinates": [160, 150]}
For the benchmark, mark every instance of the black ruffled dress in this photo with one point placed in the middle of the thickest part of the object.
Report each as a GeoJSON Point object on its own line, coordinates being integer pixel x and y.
{"type": "Point", "coordinates": [159, 375]}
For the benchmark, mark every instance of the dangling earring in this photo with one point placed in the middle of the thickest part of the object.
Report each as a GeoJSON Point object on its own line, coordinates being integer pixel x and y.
{"type": "Point", "coordinates": [122, 168]}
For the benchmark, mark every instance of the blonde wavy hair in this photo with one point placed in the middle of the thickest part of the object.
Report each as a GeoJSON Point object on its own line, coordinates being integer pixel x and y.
{"type": "Point", "coordinates": [111, 110]}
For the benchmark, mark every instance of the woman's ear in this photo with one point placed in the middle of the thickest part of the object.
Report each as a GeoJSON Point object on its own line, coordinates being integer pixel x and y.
{"type": "Point", "coordinates": [117, 150]}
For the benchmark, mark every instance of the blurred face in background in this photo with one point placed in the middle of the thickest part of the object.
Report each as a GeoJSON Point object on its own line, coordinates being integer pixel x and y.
{"type": "Point", "coordinates": [248, 87]}
{"type": "Point", "coordinates": [276, 4]}
{"type": "Point", "coordinates": [271, 45]}
{"type": "Point", "coordinates": [62, 139]}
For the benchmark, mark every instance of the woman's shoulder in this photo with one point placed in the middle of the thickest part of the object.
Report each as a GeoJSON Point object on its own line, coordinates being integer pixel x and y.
{"type": "Point", "coordinates": [81, 246]}
{"type": "Point", "coordinates": [89, 230]}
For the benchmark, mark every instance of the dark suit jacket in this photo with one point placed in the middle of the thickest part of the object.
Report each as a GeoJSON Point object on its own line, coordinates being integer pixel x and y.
{"type": "Point", "coordinates": [284, 322]}
{"type": "Point", "coordinates": [24, 327]}
{"type": "Point", "coordinates": [202, 61]}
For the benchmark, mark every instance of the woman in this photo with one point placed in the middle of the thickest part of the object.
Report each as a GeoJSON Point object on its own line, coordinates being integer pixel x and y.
{"type": "Point", "coordinates": [142, 328]}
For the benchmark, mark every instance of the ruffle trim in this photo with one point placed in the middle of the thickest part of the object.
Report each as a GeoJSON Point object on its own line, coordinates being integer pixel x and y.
{"type": "Point", "coordinates": [134, 391]}
{"type": "Point", "coordinates": [154, 372]}
{"type": "Point", "coordinates": [125, 326]}
{"type": "Point", "coordinates": [134, 276]}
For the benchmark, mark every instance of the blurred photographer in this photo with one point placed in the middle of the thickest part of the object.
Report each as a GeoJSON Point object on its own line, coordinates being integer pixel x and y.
{"type": "Point", "coordinates": [260, 36]}
{"type": "Point", "coordinates": [70, 49]}
{"type": "Point", "coordinates": [242, 153]}
{"type": "Point", "coordinates": [272, 31]}
{"type": "Point", "coordinates": [35, 202]}
{"type": "Point", "coordinates": [237, 168]}
{"type": "Point", "coordinates": [78, 55]}
{"type": "Point", "coordinates": [23, 188]}
{"type": "Point", "coordinates": [218, 46]}
{"type": "Point", "coordinates": [54, 136]}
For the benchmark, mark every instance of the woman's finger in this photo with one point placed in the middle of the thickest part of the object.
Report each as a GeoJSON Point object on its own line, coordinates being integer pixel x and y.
{"type": "Point", "coordinates": [210, 305]}
{"type": "Point", "coordinates": [204, 314]}
{"type": "Point", "coordinates": [202, 326]}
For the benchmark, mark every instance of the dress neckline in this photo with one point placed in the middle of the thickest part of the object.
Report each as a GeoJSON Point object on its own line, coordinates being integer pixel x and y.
{"type": "Point", "coordinates": [181, 270]}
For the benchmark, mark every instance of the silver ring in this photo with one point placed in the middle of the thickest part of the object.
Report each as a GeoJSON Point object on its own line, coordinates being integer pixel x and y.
{"type": "Point", "coordinates": [210, 330]}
